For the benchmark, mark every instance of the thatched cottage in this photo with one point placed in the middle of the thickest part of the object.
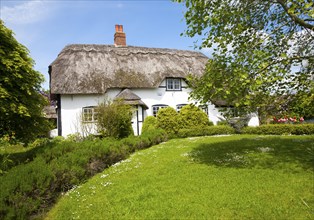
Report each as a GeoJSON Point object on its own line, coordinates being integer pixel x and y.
{"type": "Point", "coordinates": [84, 75]}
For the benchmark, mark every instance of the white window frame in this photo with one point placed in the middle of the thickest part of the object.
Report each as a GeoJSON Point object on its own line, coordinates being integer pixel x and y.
{"type": "Point", "coordinates": [155, 108]}
{"type": "Point", "coordinates": [89, 114]}
{"type": "Point", "coordinates": [173, 84]}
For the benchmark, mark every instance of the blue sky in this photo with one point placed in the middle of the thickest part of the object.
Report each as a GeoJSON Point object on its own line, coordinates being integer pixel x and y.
{"type": "Point", "coordinates": [45, 27]}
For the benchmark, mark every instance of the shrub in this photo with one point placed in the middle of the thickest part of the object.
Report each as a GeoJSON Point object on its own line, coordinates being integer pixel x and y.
{"type": "Point", "coordinates": [238, 123]}
{"type": "Point", "coordinates": [167, 119]}
{"type": "Point", "coordinates": [114, 119]}
{"type": "Point", "coordinates": [32, 188]}
{"type": "Point", "coordinates": [14, 154]}
{"type": "Point", "coordinates": [150, 124]}
{"type": "Point", "coordinates": [302, 129]}
{"type": "Point", "coordinates": [206, 131]}
{"type": "Point", "coordinates": [223, 122]}
{"type": "Point", "coordinates": [280, 129]}
{"type": "Point", "coordinates": [191, 116]}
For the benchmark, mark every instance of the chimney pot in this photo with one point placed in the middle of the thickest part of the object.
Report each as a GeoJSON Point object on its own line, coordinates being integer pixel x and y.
{"type": "Point", "coordinates": [119, 36]}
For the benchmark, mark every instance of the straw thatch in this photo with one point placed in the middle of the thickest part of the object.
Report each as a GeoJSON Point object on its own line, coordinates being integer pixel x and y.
{"type": "Point", "coordinates": [129, 98]}
{"type": "Point", "coordinates": [92, 69]}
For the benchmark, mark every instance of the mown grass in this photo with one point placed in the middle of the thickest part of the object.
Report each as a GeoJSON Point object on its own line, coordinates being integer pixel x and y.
{"type": "Point", "coordinates": [235, 177]}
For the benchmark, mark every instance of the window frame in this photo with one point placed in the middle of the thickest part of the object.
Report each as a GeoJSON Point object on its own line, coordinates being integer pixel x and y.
{"type": "Point", "coordinates": [92, 114]}
{"type": "Point", "coordinates": [173, 82]}
{"type": "Point", "coordinates": [158, 106]}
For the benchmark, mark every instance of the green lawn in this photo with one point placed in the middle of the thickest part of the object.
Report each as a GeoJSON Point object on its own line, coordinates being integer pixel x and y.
{"type": "Point", "coordinates": [235, 177]}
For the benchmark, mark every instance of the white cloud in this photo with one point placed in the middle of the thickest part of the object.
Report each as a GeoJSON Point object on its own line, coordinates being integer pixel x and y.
{"type": "Point", "coordinates": [25, 12]}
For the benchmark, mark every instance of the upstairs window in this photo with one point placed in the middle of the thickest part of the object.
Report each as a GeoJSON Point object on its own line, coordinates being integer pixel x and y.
{"type": "Point", "coordinates": [157, 107]}
{"type": "Point", "coordinates": [173, 84]}
{"type": "Point", "coordinates": [89, 114]}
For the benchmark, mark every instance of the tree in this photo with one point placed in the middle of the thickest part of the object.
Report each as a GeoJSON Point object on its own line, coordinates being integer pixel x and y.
{"type": "Point", "coordinates": [263, 51]}
{"type": "Point", "coordinates": [21, 103]}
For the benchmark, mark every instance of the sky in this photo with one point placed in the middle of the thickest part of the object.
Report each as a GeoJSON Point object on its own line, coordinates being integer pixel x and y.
{"type": "Point", "coordinates": [45, 27]}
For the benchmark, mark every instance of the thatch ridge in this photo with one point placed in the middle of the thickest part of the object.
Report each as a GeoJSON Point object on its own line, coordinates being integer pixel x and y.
{"type": "Point", "coordinates": [92, 68]}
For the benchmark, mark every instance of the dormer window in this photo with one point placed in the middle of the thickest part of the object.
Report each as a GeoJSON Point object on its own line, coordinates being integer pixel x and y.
{"type": "Point", "coordinates": [173, 84]}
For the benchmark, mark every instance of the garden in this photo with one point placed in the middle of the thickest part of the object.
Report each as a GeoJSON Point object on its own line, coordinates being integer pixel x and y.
{"type": "Point", "coordinates": [187, 172]}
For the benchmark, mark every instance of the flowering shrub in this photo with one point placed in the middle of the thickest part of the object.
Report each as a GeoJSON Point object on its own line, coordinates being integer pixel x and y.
{"type": "Point", "coordinates": [288, 120]}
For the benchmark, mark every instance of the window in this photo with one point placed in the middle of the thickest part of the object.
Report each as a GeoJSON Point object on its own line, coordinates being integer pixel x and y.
{"type": "Point", "coordinates": [180, 106]}
{"type": "Point", "coordinates": [157, 107]}
{"type": "Point", "coordinates": [89, 114]}
{"type": "Point", "coordinates": [173, 84]}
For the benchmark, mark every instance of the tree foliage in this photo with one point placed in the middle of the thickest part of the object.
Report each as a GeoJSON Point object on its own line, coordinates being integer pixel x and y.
{"type": "Point", "coordinates": [263, 51]}
{"type": "Point", "coordinates": [21, 103]}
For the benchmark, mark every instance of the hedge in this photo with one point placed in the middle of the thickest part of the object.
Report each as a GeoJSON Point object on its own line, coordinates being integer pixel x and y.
{"type": "Point", "coordinates": [10, 157]}
{"type": "Point", "coordinates": [207, 131]}
{"type": "Point", "coordinates": [280, 129]}
{"type": "Point", "coordinates": [29, 190]}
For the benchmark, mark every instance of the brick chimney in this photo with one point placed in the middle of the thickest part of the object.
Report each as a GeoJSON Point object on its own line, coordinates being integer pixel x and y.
{"type": "Point", "coordinates": [119, 36]}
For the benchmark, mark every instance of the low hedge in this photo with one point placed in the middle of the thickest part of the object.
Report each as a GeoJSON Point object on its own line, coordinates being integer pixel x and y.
{"type": "Point", "coordinates": [29, 190]}
{"type": "Point", "coordinates": [10, 157]}
{"type": "Point", "coordinates": [280, 129]}
{"type": "Point", "coordinates": [206, 131]}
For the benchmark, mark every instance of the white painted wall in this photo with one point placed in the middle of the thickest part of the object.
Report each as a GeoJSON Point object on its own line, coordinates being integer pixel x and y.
{"type": "Point", "coordinates": [71, 105]}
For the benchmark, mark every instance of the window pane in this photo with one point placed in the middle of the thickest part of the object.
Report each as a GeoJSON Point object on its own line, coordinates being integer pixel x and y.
{"type": "Point", "coordinates": [170, 84]}
{"type": "Point", "coordinates": [177, 84]}
{"type": "Point", "coordinates": [88, 114]}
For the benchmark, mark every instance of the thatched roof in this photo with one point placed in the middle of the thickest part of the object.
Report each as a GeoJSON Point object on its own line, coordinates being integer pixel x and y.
{"type": "Point", "coordinates": [128, 97]}
{"type": "Point", "coordinates": [92, 69]}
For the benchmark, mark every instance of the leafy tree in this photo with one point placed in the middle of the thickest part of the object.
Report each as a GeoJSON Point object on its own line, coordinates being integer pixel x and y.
{"type": "Point", "coordinates": [21, 103]}
{"type": "Point", "coordinates": [263, 51]}
{"type": "Point", "coordinates": [114, 119]}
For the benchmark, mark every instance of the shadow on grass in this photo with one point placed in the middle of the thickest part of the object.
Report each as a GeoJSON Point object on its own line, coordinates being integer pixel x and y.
{"type": "Point", "coordinates": [259, 152]}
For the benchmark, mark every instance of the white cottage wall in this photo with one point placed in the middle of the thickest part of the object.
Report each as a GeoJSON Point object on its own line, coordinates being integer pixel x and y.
{"type": "Point", "coordinates": [71, 106]}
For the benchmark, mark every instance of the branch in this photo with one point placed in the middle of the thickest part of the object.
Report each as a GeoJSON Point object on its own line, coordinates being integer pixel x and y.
{"type": "Point", "coordinates": [282, 60]}
{"type": "Point", "coordinates": [294, 17]}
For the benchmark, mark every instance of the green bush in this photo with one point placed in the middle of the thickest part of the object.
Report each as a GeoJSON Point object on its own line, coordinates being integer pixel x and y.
{"type": "Point", "coordinates": [238, 123]}
{"type": "Point", "coordinates": [191, 116]}
{"type": "Point", "coordinates": [302, 129]}
{"type": "Point", "coordinates": [149, 124]}
{"type": "Point", "coordinates": [206, 131]}
{"type": "Point", "coordinates": [280, 129]}
{"type": "Point", "coordinates": [167, 119]}
{"type": "Point", "coordinates": [114, 119]}
{"type": "Point", "coordinates": [223, 122]}
{"type": "Point", "coordinates": [30, 189]}
{"type": "Point", "coordinates": [14, 154]}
